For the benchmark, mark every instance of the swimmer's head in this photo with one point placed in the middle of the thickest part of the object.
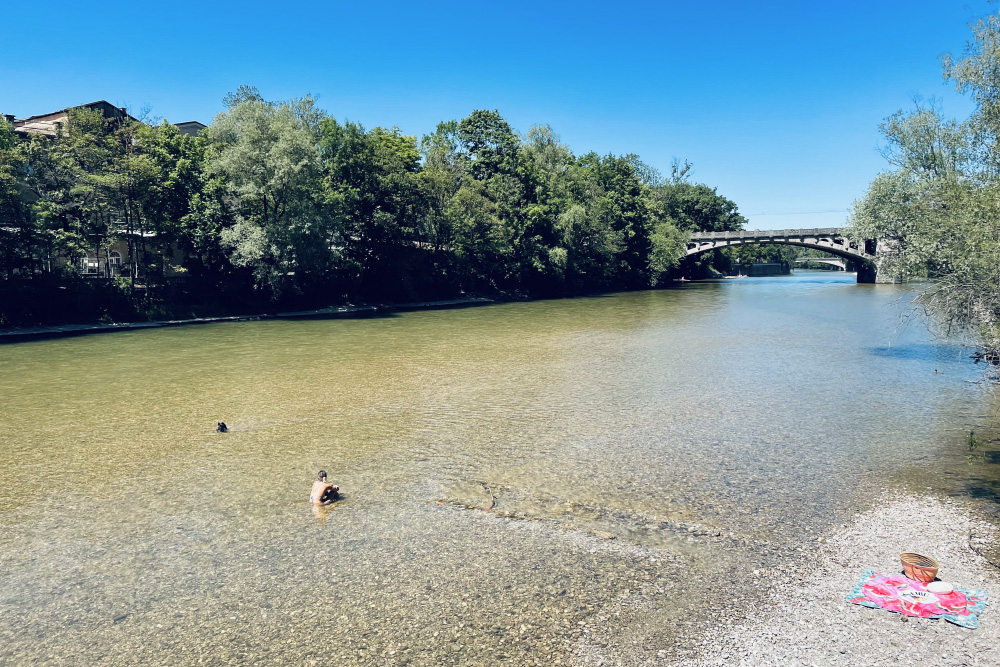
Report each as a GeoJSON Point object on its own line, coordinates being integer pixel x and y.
{"type": "Point", "coordinates": [322, 475]}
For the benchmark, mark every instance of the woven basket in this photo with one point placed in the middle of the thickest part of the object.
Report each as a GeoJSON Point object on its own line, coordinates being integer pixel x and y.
{"type": "Point", "coordinates": [921, 568]}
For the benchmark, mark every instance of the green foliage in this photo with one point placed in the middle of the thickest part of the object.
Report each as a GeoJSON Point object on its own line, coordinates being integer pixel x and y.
{"type": "Point", "coordinates": [766, 253]}
{"type": "Point", "coordinates": [17, 235]}
{"type": "Point", "coordinates": [696, 207]}
{"type": "Point", "coordinates": [936, 213]}
{"type": "Point", "coordinates": [973, 443]}
{"type": "Point", "coordinates": [266, 156]}
{"type": "Point", "coordinates": [182, 205]}
{"type": "Point", "coordinates": [281, 198]}
{"type": "Point", "coordinates": [371, 182]}
{"type": "Point", "coordinates": [490, 144]}
{"type": "Point", "coordinates": [668, 243]}
{"type": "Point", "coordinates": [67, 182]}
{"type": "Point", "coordinates": [692, 206]}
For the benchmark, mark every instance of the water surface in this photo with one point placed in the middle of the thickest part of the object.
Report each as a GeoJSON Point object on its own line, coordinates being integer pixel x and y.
{"type": "Point", "coordinates": [485, 455]}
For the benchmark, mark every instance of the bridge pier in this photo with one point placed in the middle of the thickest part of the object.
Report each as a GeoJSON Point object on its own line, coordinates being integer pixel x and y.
{"type": "Point", "coordinates": [867, 273]}
{"type": "Point", "coordinates": [884, 279]}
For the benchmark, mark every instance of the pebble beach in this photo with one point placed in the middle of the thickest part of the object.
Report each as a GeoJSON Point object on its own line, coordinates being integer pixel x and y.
{"type": "Point", "coordinates": [806, 621]}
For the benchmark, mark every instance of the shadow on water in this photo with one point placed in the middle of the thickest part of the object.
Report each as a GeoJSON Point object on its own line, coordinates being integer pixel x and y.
{"type": "Point", "coordinates": [984, 489]}
{"type": "Point", "coordinates": [381, 311]}
{"type": "Point", "coordinates": [921, 352]}
{"type": "Point", "coordinates": [26, 334]}
{"type": "Point", "coordinates": [374, 312]}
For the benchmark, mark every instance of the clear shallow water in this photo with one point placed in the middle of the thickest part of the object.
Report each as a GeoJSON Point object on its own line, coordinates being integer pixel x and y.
{"type": "Point", "coordinates": [712, 429]}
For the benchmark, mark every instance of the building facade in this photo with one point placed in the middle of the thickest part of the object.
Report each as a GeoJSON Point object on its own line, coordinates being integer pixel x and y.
{"type": "Point", "coordinates": [103, 262]}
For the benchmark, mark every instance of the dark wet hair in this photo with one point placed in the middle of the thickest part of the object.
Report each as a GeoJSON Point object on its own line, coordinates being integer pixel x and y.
{"type": "Point", "coordinates": [322, 474]}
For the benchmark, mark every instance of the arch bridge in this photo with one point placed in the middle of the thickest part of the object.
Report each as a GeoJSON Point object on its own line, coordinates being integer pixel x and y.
{"type": "Point", "coordinates": [828, 239]}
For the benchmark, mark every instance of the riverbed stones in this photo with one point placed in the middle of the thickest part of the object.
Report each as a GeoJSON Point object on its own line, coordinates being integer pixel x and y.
{"type": "Point", "coordinates": [646, 465]}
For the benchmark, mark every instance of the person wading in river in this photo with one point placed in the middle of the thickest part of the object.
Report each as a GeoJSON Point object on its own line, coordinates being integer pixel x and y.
{"type": "Point", "coordinates": [323, 493]}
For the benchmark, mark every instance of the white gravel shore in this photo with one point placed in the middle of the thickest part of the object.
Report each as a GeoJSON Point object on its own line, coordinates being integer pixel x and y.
{"type": "Point", "coordinates": [808, 622]}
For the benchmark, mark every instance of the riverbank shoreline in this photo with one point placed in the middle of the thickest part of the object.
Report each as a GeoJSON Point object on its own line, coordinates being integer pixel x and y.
{"type": "Point", "coordinates": [344, 311]}
{"type": "Point", "coordinates": [805, 619]}
{"type": "Point", "coordinates": [24, 334]}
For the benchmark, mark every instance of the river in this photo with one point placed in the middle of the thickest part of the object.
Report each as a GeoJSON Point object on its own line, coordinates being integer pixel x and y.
{"type": "Point", "coordinates": [487, 456]}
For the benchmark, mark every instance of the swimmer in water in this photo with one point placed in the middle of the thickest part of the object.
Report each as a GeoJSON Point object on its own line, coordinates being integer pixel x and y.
{"type": "Point", "coordinates": [323, 493]}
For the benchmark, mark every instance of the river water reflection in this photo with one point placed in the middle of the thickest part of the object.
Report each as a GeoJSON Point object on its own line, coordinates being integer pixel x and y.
{"type": "Point", "coordinates": [485, 455]}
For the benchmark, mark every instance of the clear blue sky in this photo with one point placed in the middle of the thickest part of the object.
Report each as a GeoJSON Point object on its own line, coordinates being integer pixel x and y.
{"type": "Point", "coordinates": [775, 103]}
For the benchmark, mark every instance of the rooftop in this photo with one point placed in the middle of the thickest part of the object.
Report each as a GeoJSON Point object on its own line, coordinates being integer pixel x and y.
{"type": "Point", "coordinates": [49, 123]}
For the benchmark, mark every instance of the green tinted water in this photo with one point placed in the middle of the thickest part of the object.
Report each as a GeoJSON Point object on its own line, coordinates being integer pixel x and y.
{"type": "Point", "coordinates": [484, 455]}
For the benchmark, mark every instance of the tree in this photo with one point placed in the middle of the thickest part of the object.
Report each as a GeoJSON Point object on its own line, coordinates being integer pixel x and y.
{"type": "Point", "coordinates": [978, 75]}
{"type": "Point", "coordinates": [936, 211]}
{"type": "Point", "coordinates": [482, 243]}
{"type": "Point", "coordinates": [444, 167]}
{"type": "Point", "coordinates": [371, 181]}
{"type": "Point", "coordinates": [667, 247]}
{"type": "Point", "coordinates": [70, 209]}
{"type": "Point", "coordinates": [267, 157]}
{"type": "Point", "coordinates": [766, 253]}
{"type": "Point", "coordinates": [182, 206]}
{"type": "Point", "coordinates": [490, 144]}
{"type": "Point", "coordinates": [128, 181]}
{"type": "Point", "coordinates": [697, 207]}
{"type": "Point", "coordinates": [18, 236]}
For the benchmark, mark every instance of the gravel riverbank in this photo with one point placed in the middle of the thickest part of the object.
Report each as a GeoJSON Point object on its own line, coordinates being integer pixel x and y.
{"type": "Point", "coordinates": [806, 621]}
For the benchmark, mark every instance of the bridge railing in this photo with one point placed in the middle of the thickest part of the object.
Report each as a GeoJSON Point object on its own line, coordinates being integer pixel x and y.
{"type": "Point", "coordinates": [770, 233]}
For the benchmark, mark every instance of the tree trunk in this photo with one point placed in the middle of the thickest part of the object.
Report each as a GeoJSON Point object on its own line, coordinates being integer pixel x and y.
{"type": "Point", "coordinates": [131, 250]}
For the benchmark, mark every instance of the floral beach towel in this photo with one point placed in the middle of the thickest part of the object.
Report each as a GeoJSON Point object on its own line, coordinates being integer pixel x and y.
{"type": "Point", "coordinates": [895, 592]}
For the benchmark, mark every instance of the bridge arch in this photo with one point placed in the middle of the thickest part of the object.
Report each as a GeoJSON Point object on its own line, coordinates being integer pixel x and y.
{"type": "Point", "coordinates": [828, 239]}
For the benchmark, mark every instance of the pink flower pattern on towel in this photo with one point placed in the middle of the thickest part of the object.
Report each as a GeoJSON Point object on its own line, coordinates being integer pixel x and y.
{"type": "Point", "coordinates": [894, 592]}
